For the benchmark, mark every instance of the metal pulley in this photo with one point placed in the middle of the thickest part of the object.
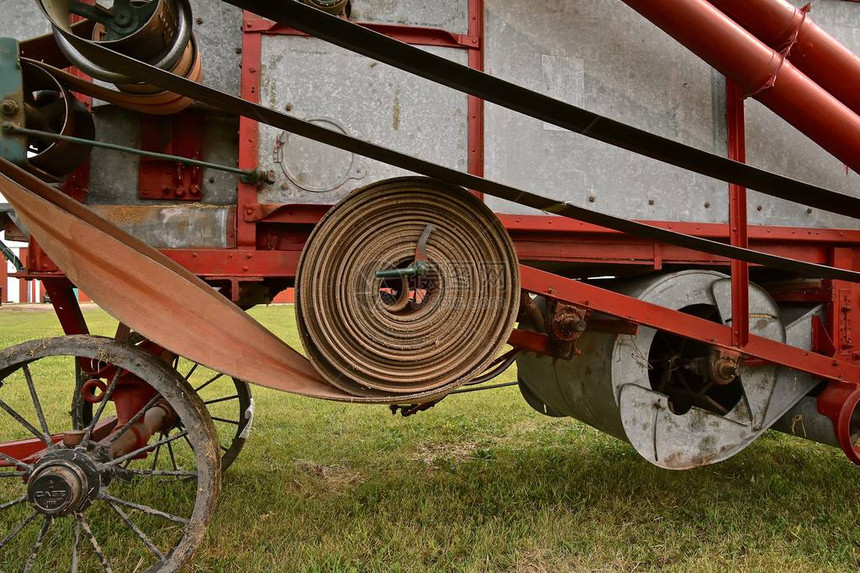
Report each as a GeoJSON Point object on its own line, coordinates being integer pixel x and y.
{"type": "Point", "coordinates": [48, 106]}
{"type": "Point", "coordinates": [35, 99]}
{"type": "Point", "coordinates": [405, 286]}
{"type": "Point", "coordinates": [336, 7]}
{"type": "Point", "coordinates": [156, 31]}
{"type": "Point", "coordinates": [680, 403]}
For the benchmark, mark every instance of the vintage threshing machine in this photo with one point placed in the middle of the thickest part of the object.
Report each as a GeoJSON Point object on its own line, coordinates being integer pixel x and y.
{"type": "Point", "coordinates": [651, 207]}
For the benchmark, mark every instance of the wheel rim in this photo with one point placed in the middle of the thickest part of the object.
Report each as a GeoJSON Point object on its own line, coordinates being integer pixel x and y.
{"type": "Point", "coordinates": [67, 502]}
{"type": "Point", "coordinates": [229, 402]}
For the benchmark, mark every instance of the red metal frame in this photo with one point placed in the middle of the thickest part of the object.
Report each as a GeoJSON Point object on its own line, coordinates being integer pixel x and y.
{"type": "Point", "coordinates": [270, 238]}
{"type": "Point", "coordinates": [249, 135]}
{"type": "Point", "coordinates": [180, 134]}
{"type": "Point", "coordinates": [662, 318]}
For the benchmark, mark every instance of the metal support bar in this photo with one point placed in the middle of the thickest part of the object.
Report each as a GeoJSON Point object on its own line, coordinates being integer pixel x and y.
{"type": "Point", "coordinates": [248, 176]}
{"type": "Point", "coordinates": [682, 324]}
{"type": "Point", "coordinates": [738, 216]}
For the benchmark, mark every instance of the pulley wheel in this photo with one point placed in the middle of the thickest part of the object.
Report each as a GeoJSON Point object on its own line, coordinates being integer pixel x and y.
{"type": "Point", "coordinates": [50, 107]}
{"type": "Point", "coordinates": [428, 330]}
{"type": "Point", "coordinates": [336, 7]}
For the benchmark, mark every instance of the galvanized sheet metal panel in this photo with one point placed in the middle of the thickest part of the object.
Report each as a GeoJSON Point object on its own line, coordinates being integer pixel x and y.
{"type": "Point", "coordinates": [22, 20]}
{"type": "Point", "coordinates": [369, 100]}
{"type": "Point", "coordinates": [451, 15]}
{"type": "Point", "coordinates": [189, 226]}
{"type": "Point", "coordinates": [114, 175]}
{"type": "Point", "coordinates": [602, 56]}
{"type": "Point", "coordinates": [218, 29]}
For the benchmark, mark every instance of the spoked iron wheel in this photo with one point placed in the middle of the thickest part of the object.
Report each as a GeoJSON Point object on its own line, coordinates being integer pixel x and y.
{"type": "Point", "coordinates": [228, 400]}
{"type": "Point", "coordinates": [72, 499]}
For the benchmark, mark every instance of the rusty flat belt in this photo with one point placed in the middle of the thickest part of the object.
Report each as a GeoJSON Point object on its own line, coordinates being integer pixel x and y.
{"type": "Point", "coordinates": [634, 139]}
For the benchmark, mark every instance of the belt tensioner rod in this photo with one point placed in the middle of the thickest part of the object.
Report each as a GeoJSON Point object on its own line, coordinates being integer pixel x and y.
{"type": "Point", "coordinates": [247, 175]}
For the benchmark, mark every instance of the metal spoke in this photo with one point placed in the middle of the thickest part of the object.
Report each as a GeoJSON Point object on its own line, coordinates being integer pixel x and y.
{"type": "Point", "coordinates": [9, 410]}
{"type": "Point", "coordinates": [163, 473]}
{"type": "Point", "coordinates": [225, 420]}
{"type": "Point", "coordinates": [77, 543]}
{"type": "Point", "coordinates": [144, 449]}
{"type": "Point", "coordinates": [36, 403]}
{"type": "Point", "coordinates": [13, 503]}
{"type": "Point", "coordinates": [34, 552]}
{"type": "Point", "coordinates": [133, 419]}
{"type": "Point", "coordinates": [145, 509]}
{"type": "Point", "coordinates": [11, 475]}
{"type": "Point", "coordinates": [18, 528]}
{"type": "Point", "coordinates": [137, 530]}
{"type": "Point", "coordinates": [208, 382]}
{"type": "Point", "coordinates": [104, 401]}
{"type": "Point", "coordinates": [224, 399]}
{"type": "Point", "coordinates": [187, 441]}
{"type": "Point", "coordinates": [15, 462]}
{"type": "Point", "coordinates": [8, 373]}
{"type": "Point", "coordinates": [190, 372]}
{"type": "Point", "coordinates": [88, 532]}
{"type": "Point", "coordinates": [172, 457]}
{"type": "Point", "coordinates": [155, 458]}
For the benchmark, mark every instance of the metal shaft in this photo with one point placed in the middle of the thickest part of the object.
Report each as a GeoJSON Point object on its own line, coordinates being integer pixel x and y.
{"type": "Point", "coordinates": [248, 176]}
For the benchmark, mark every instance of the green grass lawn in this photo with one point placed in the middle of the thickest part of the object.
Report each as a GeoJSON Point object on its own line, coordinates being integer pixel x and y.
{"type": "Point", "coordinates": [483, 483]}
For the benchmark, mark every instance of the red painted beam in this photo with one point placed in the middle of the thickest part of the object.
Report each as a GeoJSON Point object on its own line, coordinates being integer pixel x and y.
{"type": "Point", "coordinates": [661, 318]}
{"type": "Point", "coordinates": [738, 215]}
{"type": "Point", "coordinates": [66, 305]}
{"type": "Point", "coordinates": [249, 132]}
{"type": "Point", "coordinates": [475, 106]}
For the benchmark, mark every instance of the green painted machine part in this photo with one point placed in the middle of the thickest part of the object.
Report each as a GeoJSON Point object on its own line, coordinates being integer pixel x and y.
{"type": "Point", "coordinates": [13, 147]}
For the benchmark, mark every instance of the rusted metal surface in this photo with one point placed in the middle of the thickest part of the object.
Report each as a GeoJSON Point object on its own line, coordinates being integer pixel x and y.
{"type": "Point", "coordinates": [180, 134]}
{"type": "Point", "coordinates": [196, 322]}
{"type": "Point", "coordinates": [679, 402]}
{"type": "Point", "coordinates": [50, 107]}
{"type": "Point", "coordinates": [566, 323]}
{"type": "Point", "coordinates": [764, 181]}
{"type": "Point", "coordinates": [251, 239]}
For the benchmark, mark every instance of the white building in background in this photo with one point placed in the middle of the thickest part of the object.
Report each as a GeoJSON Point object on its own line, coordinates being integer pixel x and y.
{"type": "Point", "coordinates": [12, 286]}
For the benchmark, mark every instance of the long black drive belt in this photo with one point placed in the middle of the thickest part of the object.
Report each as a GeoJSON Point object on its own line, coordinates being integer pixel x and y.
{"type": "Point", "coordinates": [417, 61]}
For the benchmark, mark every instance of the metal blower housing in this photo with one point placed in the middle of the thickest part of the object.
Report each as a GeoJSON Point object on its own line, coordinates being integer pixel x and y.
{"type": "Point", "coordinates": [679, 403]}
